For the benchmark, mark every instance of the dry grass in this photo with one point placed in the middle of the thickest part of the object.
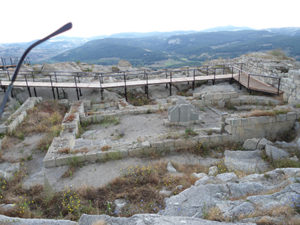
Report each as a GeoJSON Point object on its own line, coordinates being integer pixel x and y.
{"type": "Point", "coordinates": [100, 222]}
{"type": "Point", "coordinates": [45, 118]}
{"type": "Point", "coordinates": [257, 112]}
{"type": "Point", "coordinates": [105, 148]}
{"type": "Point", "coordinates": [69, 172]}
{"type": "Point", "coordinates": [285, 211]}
{"type": "Point", "coordinates": [8, 142]}
{"type": "Point", "coordinates": [265, 220]}
{"type": "Point", "coordinates": [293, 221]}
{"type": "Point", "coordinates": [64, 151]}
{"type": "Point", "coordinates": [69, 118]}
{"type": "Point", "coordinates": [81, 150]}
{"type": "Point", "coordinates": [139, 186]}
{"type": "Point", "coordinates": [215, 214]}
{"type": "Point", "coordinates": [122, 104]}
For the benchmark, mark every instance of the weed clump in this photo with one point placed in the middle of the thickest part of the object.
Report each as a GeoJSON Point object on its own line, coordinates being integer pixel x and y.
{"type": "Point", "coordinates": [74, 163]}
{"type": "Point", "coordinates": [110, 120]}
{"type": "Point", "coordinates": [71, 203]}
{"type": "Point", "coordinates": [139, 99]}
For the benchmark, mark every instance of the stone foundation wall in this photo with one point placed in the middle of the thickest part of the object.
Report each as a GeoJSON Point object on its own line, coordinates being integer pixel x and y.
{"type": "Point", "coordinates": [290, 84]}
{"type": "Point", "coordinates": [66, 140]}
{"type": "Point", "coordinates": [262, 126]}
{"type": "Point", "coordinates": [235, 130]}
{"type": "Point", "coordinates": [233, 98]}
{"type": "Point", "coordinates": [143, 149]}
{"type": "Point", "coordinates": [19, 115]}
{"type": "Point", "coordinates": [96, 117]}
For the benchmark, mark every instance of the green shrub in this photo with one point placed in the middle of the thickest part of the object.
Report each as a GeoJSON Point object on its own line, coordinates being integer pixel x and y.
{"type": "Point", "coordinates": [115, 69]}
{"type": "Point", "coordinates": [189, 132]}
{"type": "Point", "coordinates": [278, 53]}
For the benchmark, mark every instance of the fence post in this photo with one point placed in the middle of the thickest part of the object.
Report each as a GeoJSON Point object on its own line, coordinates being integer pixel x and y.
{"type": "Point", "coordinates": [248, 85]}
{"type": "Point", "coordinates": [57, 92]}
{"type": "Point", "coordinates": [125, 87]}
{"type": "Point", "coordinates": [52, 86]}
{"type": "Point", "coordinates": [78, 77]}
{"type": "Point", "coordinates": [194, 79]}
{"type": "Point", "coordinates": [28, 88]}
{"type": "Point", "coordinates": [146, 87]}
{"type": "Point", "coordinates": [214, 80]}
{"type": "Point", "coordinates": [170, 83]}
{"type": "Point", "coordinates": [100, 86]}
{"type": "Point", "coordinates": [278, 89]}
{"type": "Point", "coordinates": [35, 94]}
{"type": "Point", "coordinates": [77, 92]}
{"type": "Point", "coordinates": [166, 78]}
{"type": "Point", "coordinates": [240, 79]}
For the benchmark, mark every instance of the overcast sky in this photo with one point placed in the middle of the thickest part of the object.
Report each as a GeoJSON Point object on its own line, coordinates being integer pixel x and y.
{"type": "Point", "coordinates": [26, 20]}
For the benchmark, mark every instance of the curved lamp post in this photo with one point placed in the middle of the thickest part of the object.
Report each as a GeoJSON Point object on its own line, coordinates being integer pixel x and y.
{"type": "Point", "coordinates": [64, 28]}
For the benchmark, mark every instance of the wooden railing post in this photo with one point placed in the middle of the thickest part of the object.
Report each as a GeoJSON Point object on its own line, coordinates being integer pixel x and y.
{"type": "Point", "coordinates": [52, 86]}
{"type": "Point", "coordinates": [78, 76]}
{"type": "Point", "coordinates": [146, 86]}
{"type": "Point", "coordinates": [248, 81]}
{"type": "Point", "coordinates": [125, 87]}
{"type": "Point", "coordinates": [57, 92]}
{"type": "Point", "coordinates": [100, 86]}
{"type": "Point", "coordinates": [194, 72]}
{"type": "Point", "coordinates": [77, 92]}
{"type": "Point", "coordinates": [278, 89]}
{"type": "Point", "coordinates": [214, 80]}
{"type": "Point", "coordinates": [166, 77]}
{"type": "Point", "coordinates": [35, 94]}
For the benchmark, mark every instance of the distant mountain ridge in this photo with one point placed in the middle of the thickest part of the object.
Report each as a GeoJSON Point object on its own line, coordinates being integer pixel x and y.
{"type": "Point", "coordinates": [184, 49]}
{"type": "Point", "coordinates": [177, 47]}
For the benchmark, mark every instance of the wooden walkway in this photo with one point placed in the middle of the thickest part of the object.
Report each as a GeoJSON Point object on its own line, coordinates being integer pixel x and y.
{"type": "Point", "coordinates": [7, 66]}
{"type": "Point", "coordinates": [254, 84]}
{"type": "Point", "coordinates": [249, 81]}
{"type": "Point", "coordinates": [128, 83]}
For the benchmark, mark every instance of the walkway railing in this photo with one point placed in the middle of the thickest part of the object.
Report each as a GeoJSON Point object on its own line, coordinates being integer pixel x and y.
{"type": "Point", "coordinates": [11, 62]}
{"type": "Point", "coordinates": [125, 79]}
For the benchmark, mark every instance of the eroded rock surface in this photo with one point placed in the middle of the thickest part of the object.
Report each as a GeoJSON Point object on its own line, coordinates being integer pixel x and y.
{"type": "Point", "coordinates": [147, 219]}
{"type": "Point", "coordinates": [20, 221]}
{"type": "Point", "coordinates": [245, 161]}
{"type": "Point", "coordinates": [254, 194]}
